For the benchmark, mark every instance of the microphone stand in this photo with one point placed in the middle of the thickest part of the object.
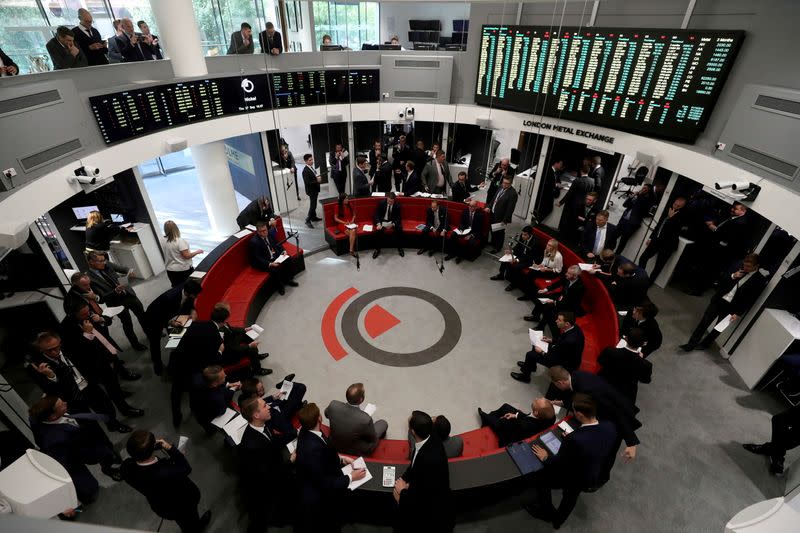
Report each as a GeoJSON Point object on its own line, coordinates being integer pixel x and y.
{"type": "Point", "coordinates": [439, 263]}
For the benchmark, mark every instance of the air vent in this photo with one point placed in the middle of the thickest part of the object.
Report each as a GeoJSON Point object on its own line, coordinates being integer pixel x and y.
{"type": "Point", "coordinates": [39, 159]}
{"type": "Point", "coordinates": [12, 106]}
{"type": "Point", "coordinates": [416, 94]}
{"type": "Point", "coordinates": [416, 63]}
{"type": "Point", "coordinates": [767, 162]}
{"type": "Point", "coordinates": [778, 105]}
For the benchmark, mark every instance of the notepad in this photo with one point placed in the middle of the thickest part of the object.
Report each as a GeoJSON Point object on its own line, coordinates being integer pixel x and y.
{"type": "Point", "coordinates": [254, 331]}
{"type": "Point", "coordinates": [286, 389]}
{"type": "Point", "coordinates": [536, 339]}
{"type": "Point", "coordinates": [386, 224]}
{"type": "Point", "coordinates": [462, 232]}
{"type": "Point", "coordinates": [586, 267]}
{"type": "Point", "coordinates": [524, 458]}
{"type": "Point", "coordinates": [172, 342]}
{"type": "Point", "coordinates": [112, 311]}
{"type": "Point", "coordinates": [367, 228]}
{"type": "Point", "coordinates": [545, 300]}
{"type": "Point", "coordinates": [498, 226]}
{"type": "Point", "coordinates": [291, 446]}
{"type": "Point", "coordinates": [281, 258]}
{"type": "Point", "coordinates": [723, 324]}
{"type": "Point", "coordinates": [370, 409]}
{"type": "Point", "coordinates": [507, 258]}
{"type": "Point", "coordinates": [224, 418]}
{"type": "Point", "coordinates": [197, 274]}
{"type": "Point", "coordinates": [235, 428]}
{"type": "Point", "coordinates": [351, 226]}
{"type": "Point", "coordinates": [379, 194]}
{"type": "Point", "coordinates": [358, 463]}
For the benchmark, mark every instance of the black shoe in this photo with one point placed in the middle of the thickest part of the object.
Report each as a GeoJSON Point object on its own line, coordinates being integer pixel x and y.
{"type": "Point", "coordinates": [309, 224]}
{"type": "Point", "coordinates": [281, 290]}
{"type": "Point", "coordinates": [263, 372]}
{"type": "Point", "coordinates": [758, 449]}
{"type": "Point", "coordinates": [458, 260]}
{"type": "Point", "coordinates": [523, 298]}
{"type": "Point", "coordinates": [112, 472]}
{"type": "Point", "coordinates": [497, 277]}
{"type": "Point", "coordinates": [688, 347]}
{"type": "Point", "coordinates": [292, 283]}
{"type": "Point", "coordinates": [776, 466]}
{"type": "Point", "coordinates": [205, 520]}
{"type": "Point", "coordinates": [290, 377]}
{"type": "Point", "coordinates": [263, 356]}
{"type": "Point", "coordinates": [132, 412]}
{"type": "Point", "coordinates": [421, 251]}
{"type": "Point", "coordinates": [375, 253]}
{"type": "Point", "coordinates": [448, 257]}
{"type": "Point", "coordinates": [521, 364]}
{"type": "Point", "coordinates": [430, 253]}
{"type": "Point", "coordinates": [316, 219]}
{"type": "Point", "coordinates": [509, 288]}
{"type": "Point", "coordinates": [117, 426]}
{"type": "Point", "coordinates": [138, 346]}
{"type": "Point", "coordinates": [519, 376]}
{"type": "Point", "coordinates": [401, 252]}
{"type": "Point", "coordinates": [529, 318]}
{"type": "Point", "coordinates": [127, 375]}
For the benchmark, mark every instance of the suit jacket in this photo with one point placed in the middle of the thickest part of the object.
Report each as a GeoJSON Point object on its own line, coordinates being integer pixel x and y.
{"type": "Point", "coordinates": [630, 291]}
{"type": "Point", "coordinates": [252, 214]}
{"type": "Point", "coordinates": [476, 226]}
{"type": "Point", "coordinates": [461, 191]}
{"type": "Point", "coordinates": [583, 453]}
{"type": "Point", "coordinates": [335, 172]}
{"type": "Point", "coordinates": [63, 385]}
{"type": "Point", "coordinates": [104, 283]}
{"type": "Point", "coordinates": [576, 194]}
{"type": "Point", "coordinates": [262, 254]}
{"type": "Point", "coordinates": [430, 177]}
{"type": "Point", "coordinates": [429, 219]}
{"type": "Point", "coordinates": [151, 52]}
{"type": "Point", "coordinates": [503, 210]}
{"type": "Point", "coordinates": [75, 297]}
{"type": "Point", "coordinates": [382, 177]}
{"type": "Point", "coordinates": [427, 499]}
{"type": "Point", "coordinates": [420, 158]}
{"type": "Point", "coordinates": [412, 184]}
{"type": "Point", "coordinates": [114, 54]}
{"type": "Point", "coordinates": [570, 296]}
{"type": "Point", "coordinates": [90, 356]}
{"type": "Point", "coordinates": [525, 252]}
{"type": "Point", "coordinates": [263, 470]}
{"type": "Point", "coordinates": [322, 484]}
{"type": "Point", "coordinates": [652, 333]}
{"type": "Point", "coordinates": [131, 52]}
{"type": "Point", "coordinates": [209, 403]}
{"type": "Point", "coordinates": [237, 44]}
{"type": "Point", "coordinates": [731, 234]}
{"type": "Point", "coordinates": [747, 293]}
{"type": "Point", "coordinates": [198, 348]}
{"type": "Point", "coordinates": [267, 43]}
{"type": "Point", "coordinates": [567, 349]}
{"type": "Point", "coordinates": [310, 180]}
{"type": "Point", "coordinates": [495, 180]}
{"type": "Point", "coordinates": [93, 57]}
{"type": "Point", "coordinates": [352, 430]}
{"type": "Point", "coordinates": [360, 183]}
{"type": "Point", "coordinates": [598, 174]}
{"type": "Point", "coordinates": [668, 230]}
{"type": "Point", "coordinates": [400, 157]}
{"type": "Point", "coordinates": [62, 58]}
{"type": "Point", "coordinates": [515, 429]}
{"type": "Point", "coordinates": [624, 370]}
{"type": "Point", "coordinates": [8, 62]}
{"type": "Point", "coordinates": [165, 484]}
{"type": "Point", "coordinates": [636, 208]}
{"type": "Point", "coordinates": [167, 305]}
{"type": "Point", "coordinates": [589, 233]}
{"type": "Point", "coordinates": [380, 213]}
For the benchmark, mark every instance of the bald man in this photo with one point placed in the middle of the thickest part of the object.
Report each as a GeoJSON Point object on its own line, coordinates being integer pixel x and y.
{"type": "Point", "coordinates": [512, 425]}
{"type": "Point", "coordinates": [89, 40]}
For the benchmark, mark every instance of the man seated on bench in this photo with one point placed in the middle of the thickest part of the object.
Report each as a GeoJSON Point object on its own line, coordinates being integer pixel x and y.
{"type": "Point", "coordinates": [266, 254]}
{"type": "Point", "coordinates": [472, 219]}
{"type": "Point", "coordinates": [212, 395]}
{"type": "Point", "coordinates": [564, 349]}
{"type": "Point", "coordinates": [512, 425]}
{"type": "Point", "coordinates": [353, 431]}
{"type": "Point", "coordinates": [435, 229]}
{"type": "Point", "coordinates": [387, 225]}
{"type": "Point", "coordinates": [237, 344]}
{"type": "Point", "coordinates": [453, 444]}
{"type": "Point", "coordinates": [283, 407]}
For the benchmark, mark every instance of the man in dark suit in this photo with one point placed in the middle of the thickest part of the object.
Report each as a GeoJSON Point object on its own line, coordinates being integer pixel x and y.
{"type": "Point", "coordinates": [105, 282]}
{"type": "Point", "coordinates": [500, 170]}
{"type": "Point", "coordinates": [265, 475]}
{"type": "Point", "coordinates": [624, 368]}
{"type": "Point", "coordinates": [259, 210]}
{"type": "Point", "coordinates": [381, 174]}
{"type": "Point", "coordinates": [58, 375]}
{"type": "Point", "coordinates": [565, 349]}
{"type": "Point", "coordinates": [282, 407]}
{"type": "Point", "coordinates": [74, 441]}
{"type": "Point", "coordinates": [212, 395]}
{"type": "Point", "coordinates": [242, 40]}
{"type": "Point", "coordinates": [164, 481]}
{"type": "Point", "coordinates": [547, 194]}
{"type": "Point", "coordinates": [630, 286]}
{"type": "Point", "coordinates": [728, 242]}
{"type": "Point", "coordinates": [737, 291]}
{"type": "Point", "coordinates": [637, 207]}
{"type": "Point", "coordinates": [524, 254]}
{"type": "Point", "coordinates": [311, 183]}
{"type": "Point", "coordinates": [131, 46]}
{"type": "Point", "coordinates": [237, 344]}
{"type": "Point", "coordinates": [114, 55]}
{"type": "Point", "coordinates": [573, 202]}
{"type": "Point", "coordinates": [270, 41]}
{"type": "Point", "coordinates": [376, 151]}
{"type": "Point", "coordinates": [471, 243]}
{"type": "Point", "coordinates": [361, 181]}
{"type": "Point", "coordinates": [611, 406]}
{"type": "Point", "coordinates": [643, 316]}
{"type": "Point", "coordinates": [401, 154]}
{"type": "Point", "coordinates": [89, 39]}
{"type": "Point", "coordinates": [586, 215]}
{"type": "Point", "coordinates": [565, 294]}
{"type": "Point", "coordinates": [388, 225]}
{"type": "Point", "coordinates": [501, 210]}
{"type": "Point", "coordinates": [151, 48]}
{"type": "Point", "coordinates": [436, 228]}
{"type": "Point", "coordinates": [265, 250]}
{"type": "Point", "coordinates": [410, 183]}
{"type": "Point", "coordinates": [664, 239]}
{"type": "Point", "coordinates": [423, 491]}
{"type": "Point", "coordinates": [436, 175]}
{"type": "Point", "coordinates": [7, 65]}
{"type": "Point", "coordinates": [598, 173]}
{"type": "Point", "coordinates": [512, 425]}
{"type": "Point", "coordinates": [64, 52]}
{"type": "Point", "coordinates": [785, 436]}
{"type": "Point", "coordinates": [323, 486]}
{"type": "Point", "coordinates": [598, 235]}
{"type": "Point", "coordinates": [80, 292]}
{"type": "Point", "coordinates": [578, 466]}
{"type": "Point", "coordinates": [461, 189]}
{"type": "Point", "coordinates": [165, 312]}
{"type": "Point", "coordinates": [340, 162]}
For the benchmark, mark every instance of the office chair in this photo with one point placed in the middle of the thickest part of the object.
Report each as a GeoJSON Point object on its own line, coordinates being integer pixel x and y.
{"type": "Point", "coordinates": [635, 180]}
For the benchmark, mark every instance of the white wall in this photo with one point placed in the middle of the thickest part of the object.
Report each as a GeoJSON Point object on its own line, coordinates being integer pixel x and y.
{"type": "Point", "coordinates": [395, 17]}
{"type": "Point", "coordinates": [303, 36]}
{"type": "Point", "coordinates": [297, 139]}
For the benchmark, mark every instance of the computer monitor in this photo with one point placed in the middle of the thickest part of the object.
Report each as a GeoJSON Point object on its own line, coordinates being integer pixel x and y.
{"type": "Point", "coordinates": [389, 47]}
{"type": "Point", "coordinates": [82, 213]}
{"type": "Point", "coordinates": [366, 46]}
{"type": "Point", "coordinates": [116, 217]}
{"type": "Point", "coordinates": [453, 47]}
{"type": "Point", "coordinates": [331, 47]}
{"type": "Point", "coordinates": [425, 46]}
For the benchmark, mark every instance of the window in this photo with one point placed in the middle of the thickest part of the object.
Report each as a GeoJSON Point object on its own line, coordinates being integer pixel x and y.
{"type": "Point", "coordinates": [135, 10]}
{"type": "Point", "coordinates": [348, 24]}
{"type": "Point", "coordinates": [24, 34]}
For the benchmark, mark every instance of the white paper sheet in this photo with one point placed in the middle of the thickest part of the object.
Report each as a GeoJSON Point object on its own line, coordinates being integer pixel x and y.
{"type": "Point", "coordinates": [370, 409]}
{"type": "Point", "coordinates": [367, 228]}
{"type": "Point", "coordinates": [111, 312]}
{"type": "Point", "coordinates": [281, 258]}
{"type": "Point", "coordinates": [586, 267]}
{"type": "Point", "coordinates": [622, 313]}
{"type": "Point", "coordinates": [379, 194]}
{"type": "Point", "coordinates": [224, 418]}
{"type": "Point", "coordinates": [235, 428]}
{"type": "Point", "coordinates": [243, 233]}
{"type": "Point", "coordinates": [254, 331]}
{"type": "Point", "coordinates": [723, 324]}
{"type": "Point", "coordinates": [421, 227]}
{"type": "Point", "coordinates": [507, 258]}
{"type": "Point", "coordinates": [286, 389]}
{"type": "Point", "coordinates": [622, 343]}
{"type": "Point", "coordinates": [536, 339]}
{"type": "Point", "coordinates": [291, 446]}
{"type": "Point", "coordinates": [250, 227]}
{"type": "Point", "coordinates": [358, 463]}
{"type": "Point", "coordinates": [351, 226]}
{"type": "Point", "coordinates": [172, 342]}
{"type": "Point", "coordinates": [545, 300]}
{"type": "Point", "coordinates": [498, 226]}
{"type": "Point", "coordinates": [462, 232]}
{"type": "Point", "coordinates": [566, 427]}
{"type": "Point", "coordinates": [197, 274]}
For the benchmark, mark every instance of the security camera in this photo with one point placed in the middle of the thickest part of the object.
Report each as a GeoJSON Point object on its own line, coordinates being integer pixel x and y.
{"type": "Point", "coordinates": [735, 185]}
{"type": "Point", "coordinates": [401, 114]}
{"type": "Point", "coordinates": [409, 112]}
{"type": "Point", "coordinates": [86, 180]}
{"type": "Point", "coordinates": [87, 171]}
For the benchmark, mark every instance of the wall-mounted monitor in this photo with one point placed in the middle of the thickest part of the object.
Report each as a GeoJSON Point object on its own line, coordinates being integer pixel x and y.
{"type": "Point", "coordinates": [657, 82]}
{"type": "Point", "coordinates": [82, 213]}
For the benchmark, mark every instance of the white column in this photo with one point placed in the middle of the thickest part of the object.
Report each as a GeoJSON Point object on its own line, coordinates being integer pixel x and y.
{"type": "Point", "coordinates": [216, 185]}
{"type": "Point", "coordinates": [180, 36]}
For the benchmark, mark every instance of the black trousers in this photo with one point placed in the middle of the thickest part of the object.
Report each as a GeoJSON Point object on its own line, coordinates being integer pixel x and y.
{"type": "Point", "coordinates": [95, 398]}
{"type": "Point", "coordinates": [178, 277]}
{"type": "Point", "coordinates": [312, 206]}
{"type": "Point", "coordinates": [532, 359]}
{"type": "Point", "coordinates": [153, 332]}
{"type": "Point", "coordinates": [180, 383]}
{"type": "Point", "coordinates": [282, 273]}
{"type": "Point", "coordinates": [785, 432]}
{"type": "Point", "coordinates": [339, 179]}
{"type": "Point", "coordinates": [432, 240]}
{"type": "Point", "coordinates": [132, 304]}
{"type": "Point", "coordinates": [188, 519]}
{"type": "Point", "coordinates": [504, 429]}
{"type": "Point", "coordinates": [394, 237]}
{"type": "Point", "coordinates": [544, 483]}
{"type": "Point", "coordinates": [512, 272]}
{"type": "Point", "coordinates": [661, 259]}
{"type": "Point", "coordinates": [399, 180]}
{"type": "Point", "coordinates": [498, 238]}
{"type": "Point", "coordinates": [467, 246]}
{"type": "Point", "coordinates": [717, 309]}
{"type": "Point", "coordinates": [625, 230]}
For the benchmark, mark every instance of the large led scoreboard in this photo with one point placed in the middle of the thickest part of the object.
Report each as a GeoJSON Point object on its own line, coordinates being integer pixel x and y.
{"type": "Point", "coordinates": [656, 82]}
{"type": "Point", "coordinates": [124, 115]}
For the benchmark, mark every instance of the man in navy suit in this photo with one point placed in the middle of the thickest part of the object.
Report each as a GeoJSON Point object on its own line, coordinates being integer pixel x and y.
{"type": "Point", "coordinates": [598, 236]}
{"type": "Point", "coordinates": [472, 219]}
{"type": "Point", "coordinates": [89, 39]}
{"type": "Point", "coordinates": [565, 350]}
{"type": "Point", "coordinates": [410, 184]}
{"type": "Point", "coordinates": [435, 228]}
{"type": "Point", "coordinates": [566, 294]}
{"type": "Point", "coordinates": [74, 441]}
{"type": "Point", "coordinates": [423, 491]}
{"type": "Point", "coordinates": [323, 486]}
{"type": "Point", "coordinates": [265, 250]}
{"type": "Point", "coordinates": [212, 395]}
{"type": "Point", "coordinates": [624, 368]}
{"type": "Point", "coordinates": [388, 225]}
{"type": "Point", "coordinates": [131, 47]}
{"type": "Point", "coordinates": [577, 466]}
{"type": "Point", "coordinates": [162, 312]}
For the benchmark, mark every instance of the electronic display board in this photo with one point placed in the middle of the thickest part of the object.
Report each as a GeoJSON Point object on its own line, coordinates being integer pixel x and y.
{"type": "Point", "coordinates": [124, 115]}
{"type": "Point", "coordinates": [657, 82]}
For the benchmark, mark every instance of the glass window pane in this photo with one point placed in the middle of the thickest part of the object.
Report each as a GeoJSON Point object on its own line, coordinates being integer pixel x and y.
{"type": "Point", "coordinates": [214, 40]}
{"type": "Point", "coordinates": [234, 12]}
{"type": "Point", "coordinates": [135, 10]}
{"type": "Point", "coordinates": [24, 34]}
{"type": "Point", "coordinates": [348, 24]}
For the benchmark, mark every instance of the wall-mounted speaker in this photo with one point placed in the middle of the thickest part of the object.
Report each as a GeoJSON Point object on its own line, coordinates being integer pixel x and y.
{"type": "Point", "coordinates": [176, 144]}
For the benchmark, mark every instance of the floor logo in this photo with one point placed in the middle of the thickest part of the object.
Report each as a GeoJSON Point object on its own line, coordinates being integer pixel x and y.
{"type": "Point", "coordinates": [377, 321]}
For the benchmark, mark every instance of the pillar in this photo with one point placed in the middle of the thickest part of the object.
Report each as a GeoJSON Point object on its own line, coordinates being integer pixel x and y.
{"type": "Point", "coordinates": [216, 186]}
{"type": "Point", "coordinates": [180, 36]}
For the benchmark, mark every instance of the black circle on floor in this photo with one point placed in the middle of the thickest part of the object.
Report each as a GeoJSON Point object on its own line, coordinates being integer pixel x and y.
{"type": "Point", "coordinates": [450, 336]}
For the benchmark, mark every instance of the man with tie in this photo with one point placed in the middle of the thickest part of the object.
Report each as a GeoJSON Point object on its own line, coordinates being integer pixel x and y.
{"type": "Point", "coordinates": [283, 407]}
{"type": "Point", "coordinates": [340, 161]}
{"type": "Point", "coordinates": [361, 180]}
{"type": "Point", "coordinates": [311, 183]}
{"type": "Point", "coordinates": [501, 210]}
{"type": "Point", "coordinates": [164, 311]}
{"type": "Point", "coordinates": [323, 485]}
{"type": "Point", "coordinates": [401, 154]}
{"type": "Point", "coordinates": [547, 194]}
{"type": "Point", "coordinates": [728, 243]}
{"type": "Point", "coordinates": [472, 220]}
{"type": "Point", "coordinates": [74, 440]}
{"type": "Point", "coordinates": [665, 238]}
{"type": "Point", "coordinates": [565, 349]}
{"type": "Point", "coordinates": [461, 189]}
{"type": "Point", "coordinates": [565, 294]}
{"type": "Point", "coordinates": [64, 52]}
{"type": "Point", "coordinates": [130, 45]}
{"type": "Point", "coordinates": [89, 39]}
{"type": "Point", "coordinates": [410, 183]}
{"type": "Point", "coordinates": [574, 202]}
{"type": "Point", "coordinates": [265, 252]}
{"type": "Point", "coordinates": [598, 235]}
{"type": "Point", "coordinates": [237, 345]}
{"type": "Point", "coordinates": [151, 48]}
{"type": "Point", "coordinates": [266, 476]}
{"type": "Point", "coordinates": [435, 230]}
{"type": "Point", "coordinates": [598, 173]}
{"type": "Point", "coordinates": [242, 40]}
{"type": "Point", "coordinates": [423, 491]}
{"type": "Point", "coordinates": [81, 291]}
{"type": "Point", "coordinates": [270, 41]}
{"type": "Point", "coordinates": [388, 224]}
{"type": "Point", "coordinates": [737, 291]}
{"type": "Point", "coordinates": [436, 175]}
{"type": "Point", "coordinates": [624, 368]}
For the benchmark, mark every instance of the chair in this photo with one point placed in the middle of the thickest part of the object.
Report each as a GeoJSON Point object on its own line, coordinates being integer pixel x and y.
{"type": "Point", "coordinates": [635, 180]}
